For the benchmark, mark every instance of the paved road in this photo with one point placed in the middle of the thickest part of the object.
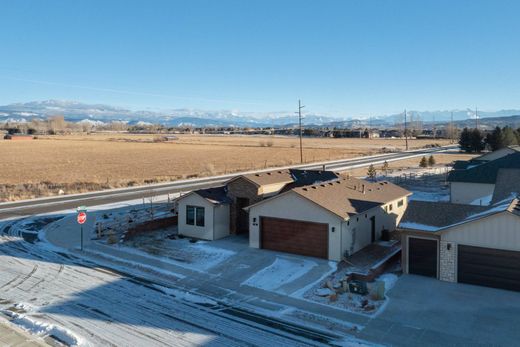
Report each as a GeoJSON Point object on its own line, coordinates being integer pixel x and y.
{"type": "Point", "coordinates": [60, 203]}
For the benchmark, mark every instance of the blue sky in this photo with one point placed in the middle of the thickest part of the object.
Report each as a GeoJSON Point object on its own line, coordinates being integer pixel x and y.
{"type": "Point", "coordinates": [340, 57]}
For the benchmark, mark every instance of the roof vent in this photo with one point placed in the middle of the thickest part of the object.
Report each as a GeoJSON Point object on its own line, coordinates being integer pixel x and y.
{"type": "Point", "coordinates": [257, 175]}
{"type": "Point", "coordinates": [269, 173]}
{"type": "Point", "coordinates": [322, 185]}
{"type": "Point", "coordinates": [313, 187]}
{"type": "Point", "coordinates": [331, 184]}
{"type": "Point", "coordinates": [305, 189]}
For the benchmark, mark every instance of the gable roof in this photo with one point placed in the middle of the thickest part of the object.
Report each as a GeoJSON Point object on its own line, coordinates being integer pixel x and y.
{"type": "Point", "coordinates": [500, 152]}
{"type": "Point", "coordinates": [309, 177]}
{"type": "Point", "coordinates": [508, 182]}
{"type": "Point", "coordinates": [487, 171]}
{"type": "Point", "coordinates": [350, 196]}
{"type": "Point", "coordinates": [347, 196]}
{"type": "Point", "coordinates": [215, 195]}
{"type": "Point", "coordinates": [294, 177]}
{"type": "Point", "coordinates": [432, 216]}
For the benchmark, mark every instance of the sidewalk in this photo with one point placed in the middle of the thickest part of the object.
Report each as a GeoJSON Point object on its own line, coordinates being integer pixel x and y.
{"type": "Point", "coordinates": [13, 336]}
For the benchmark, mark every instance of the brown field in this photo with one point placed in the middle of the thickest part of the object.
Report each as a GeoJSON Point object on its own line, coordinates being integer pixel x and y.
{"type": "Point", "coordinates": [78, 163]}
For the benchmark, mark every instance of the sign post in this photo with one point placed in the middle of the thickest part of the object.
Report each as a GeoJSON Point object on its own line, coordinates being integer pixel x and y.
{"type": "Point", "coordinates": [81, 218]}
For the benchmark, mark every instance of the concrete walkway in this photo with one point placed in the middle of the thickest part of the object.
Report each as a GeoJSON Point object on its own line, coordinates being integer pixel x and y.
{"type": "Point", "coordinates": [13, 336]}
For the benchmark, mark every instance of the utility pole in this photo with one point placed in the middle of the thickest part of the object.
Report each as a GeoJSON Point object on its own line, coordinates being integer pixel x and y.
{"type": "Point", "coordinates": [301, 131]}
{"type": "Point", "coordinates": [434, 130]}
{"type": "Point", "coordinates": [476, 118]}
{"type": "Point", "coordinates": [452, 129]}
{"type": "Point", "coordinates": [405, 130]}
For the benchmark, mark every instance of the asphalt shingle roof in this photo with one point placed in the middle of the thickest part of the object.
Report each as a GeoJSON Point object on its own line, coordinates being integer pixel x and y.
{"type": "Point", "coordinates": [350, 196]}
{"type": "Point", "coordinates": [486, 172]}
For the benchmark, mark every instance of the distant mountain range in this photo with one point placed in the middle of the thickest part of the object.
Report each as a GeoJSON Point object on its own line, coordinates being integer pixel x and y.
{"type": "Point", "coordinates": [100, 114]}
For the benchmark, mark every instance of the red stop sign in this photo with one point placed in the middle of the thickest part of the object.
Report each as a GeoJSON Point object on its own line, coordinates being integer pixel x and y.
{"type": "Point", "coordinates": [82, 217]}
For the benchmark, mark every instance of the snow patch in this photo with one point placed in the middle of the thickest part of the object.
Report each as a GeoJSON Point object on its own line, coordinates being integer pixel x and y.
{"type": "Point", "coordinates": [279, 273]}
{"type": "Point", "coordinates": [43, 329]}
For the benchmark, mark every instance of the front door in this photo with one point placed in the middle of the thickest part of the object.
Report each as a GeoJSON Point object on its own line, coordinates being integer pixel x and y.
{"type": "Point", "coordinates": [242, 216]}
{"type": "Point", "coordinates": [373, 227]}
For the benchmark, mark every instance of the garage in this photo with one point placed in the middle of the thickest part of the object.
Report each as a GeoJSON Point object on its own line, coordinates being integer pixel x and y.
{"type": "Point", "coordinates": [422, 257]}
{"type": "Point", "coordinates": [294, 236]}
{"type": "Point", "coordinates": [489, 267]}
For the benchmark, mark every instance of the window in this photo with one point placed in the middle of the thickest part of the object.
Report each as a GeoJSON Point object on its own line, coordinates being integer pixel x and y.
{"type": "Point", "coordinates": [386, 208]}
{"type": "Point", "coordinates": [400, 203]}
{"type": "Point", "coordinates": [390, 207]}
{"type": "Point", "coordinates": [195, 215]}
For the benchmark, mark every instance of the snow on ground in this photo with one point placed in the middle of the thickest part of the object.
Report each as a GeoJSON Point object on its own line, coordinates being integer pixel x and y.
{"type": "Point", "coordinates": [199, 256]}
{"type": "Point", "coordinates": [282, 271]}
{"type": "Point", "coordinates": [430, 196]}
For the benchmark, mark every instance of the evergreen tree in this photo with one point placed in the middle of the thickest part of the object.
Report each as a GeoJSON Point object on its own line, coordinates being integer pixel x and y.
{"type": "Point", "coordinates": [431, 161]}
{"type": "Point", "coordinates": [371, 172]}
{"type": "Point", "coordinates": [423, 162]}
{"type": "Point", "coordinates": [494, 139]}
{"type": "Point", "coordinates": [509, 138]}
{"type": "Point", "coordinates": [476, 140]}
{"type": "Point", "coordinates": [465, 140]}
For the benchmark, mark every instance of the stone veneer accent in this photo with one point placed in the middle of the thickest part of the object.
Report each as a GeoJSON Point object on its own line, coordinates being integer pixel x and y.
{"type": "Point", "coordinates": [447, 262]}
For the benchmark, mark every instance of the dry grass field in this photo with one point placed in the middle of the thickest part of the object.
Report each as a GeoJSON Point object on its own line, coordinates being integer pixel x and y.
{"type": "Point", "coordinates": [79, 163]}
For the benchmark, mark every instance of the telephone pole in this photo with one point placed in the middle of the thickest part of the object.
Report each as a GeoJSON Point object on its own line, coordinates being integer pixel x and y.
{"type": "Point", "coordinates": [476, 118]}
{"type": "Point", "coordinates": [452, 129]}
{"type": "Point", "coordinates": [405, 130]}
{"type": "Point", "coordinates": [301, 131]}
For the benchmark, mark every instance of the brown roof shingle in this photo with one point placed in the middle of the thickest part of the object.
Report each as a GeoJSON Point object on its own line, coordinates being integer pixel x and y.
{"type": "Point", "coordinates": [349, 196]}
{"type": "Point", "coordinates": [270, 177]}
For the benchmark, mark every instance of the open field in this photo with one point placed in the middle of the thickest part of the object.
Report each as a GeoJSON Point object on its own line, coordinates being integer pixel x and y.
{"type": "Point", "coordinates": [79, 163]}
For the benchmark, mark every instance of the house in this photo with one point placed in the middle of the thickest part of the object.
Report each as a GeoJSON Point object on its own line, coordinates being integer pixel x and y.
{"type": "Point", "coordinates": [252, 188]}
{"type": "Point", "coordinates": [329, 220]}
{"type": "Point", "coordinates": [18, 137]}
{"type": "Point", "coordinates": [463, 243]}
{"type": "Point", "coordinates": [474, 182]}
{"type": "Point", "coordinates": [214, 213]}
{"type": "Point", "coordinates": [204, 214]}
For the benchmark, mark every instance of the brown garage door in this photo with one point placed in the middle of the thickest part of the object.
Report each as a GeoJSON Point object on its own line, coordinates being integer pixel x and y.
{"type": "Point", "coordinates": [422, 257]}
{"type": "Point", "coordinates": [293, 236]}
{"type": "Point", "coordinates": [489, 267]}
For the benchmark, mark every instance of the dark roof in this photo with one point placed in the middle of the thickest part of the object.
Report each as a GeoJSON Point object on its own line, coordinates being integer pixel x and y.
{"type": "Point", "coordinates": [351, 196]}
{"type": "Point", "coordinates": [216, 195]}
{"type": "Point", "coordinates": [486, 172]}
{"type": "Point", "coordinates": [438, 214]}
{"type": "Point", "coordinates": [309, 177]}
{"type": "Point", "coordinates": [508, 182]}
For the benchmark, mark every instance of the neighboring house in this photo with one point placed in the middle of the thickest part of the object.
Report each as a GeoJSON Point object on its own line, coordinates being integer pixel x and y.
{"type": "Point", "coordinates": [463, 243]}
{"type": "Point", "coordinates": [223, 207]}
{"type": "Point", "coordinates": [249, 189]}
{"type": "Point", "coordinates": [204, 214]}
{"type": "Point", "coordinates": [327, 220]}
{"type": "Point", "coordinates": [474, 182]}
{"type": "Point", "coordinates": [18, 137]}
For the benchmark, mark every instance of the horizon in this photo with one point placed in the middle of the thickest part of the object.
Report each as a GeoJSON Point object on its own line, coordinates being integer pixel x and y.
{"type": "Point", "coordinates": [346, 59]}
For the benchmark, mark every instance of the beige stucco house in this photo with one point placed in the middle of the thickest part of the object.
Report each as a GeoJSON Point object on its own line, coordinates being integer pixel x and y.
{"type": "Point", "coordinates": [463, 243]}
{"type": "Point", "coordinates": [204, 214]}
{"type": "Point", "coordinates": [329, 220]}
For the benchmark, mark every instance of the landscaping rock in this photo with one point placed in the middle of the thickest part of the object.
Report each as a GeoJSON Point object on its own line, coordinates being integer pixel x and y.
{"type": "Point", "coordinates": [324, 292]}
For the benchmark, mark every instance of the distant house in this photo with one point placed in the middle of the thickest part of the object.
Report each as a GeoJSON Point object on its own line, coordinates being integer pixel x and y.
{"type": "Point", "coordinates": [474, 181]}
{"type": "Point", "coordinates": [328, 220]}
{"type": "Point", "coordinates": [18, 137]}
{"type": "Point", "coordinates": [463, 243]}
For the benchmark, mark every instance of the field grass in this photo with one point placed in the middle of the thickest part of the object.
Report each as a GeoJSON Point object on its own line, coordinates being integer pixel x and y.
{"type": "Point", "coordinates": [79, 163]}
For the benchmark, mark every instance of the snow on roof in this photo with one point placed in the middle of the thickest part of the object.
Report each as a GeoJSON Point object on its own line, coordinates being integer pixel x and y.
{"type": "Point", "coordinates": [419, 216]}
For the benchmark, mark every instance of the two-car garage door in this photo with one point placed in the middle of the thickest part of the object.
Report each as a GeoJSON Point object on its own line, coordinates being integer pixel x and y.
{"type": "Point", "coordinates": [489, 267]}
{"type": "Point", "coordinates": [293, 236]}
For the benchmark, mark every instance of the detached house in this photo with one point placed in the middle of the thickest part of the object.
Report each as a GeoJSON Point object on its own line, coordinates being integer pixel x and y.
{"type": "Point", "coordinates": [327, 220]}
{"type": "Point", "coordinates": [223, 207]}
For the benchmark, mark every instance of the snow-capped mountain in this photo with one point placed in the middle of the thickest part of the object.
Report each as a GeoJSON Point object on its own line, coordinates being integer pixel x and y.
{"type": "Point", "coordinates": [99, 114]}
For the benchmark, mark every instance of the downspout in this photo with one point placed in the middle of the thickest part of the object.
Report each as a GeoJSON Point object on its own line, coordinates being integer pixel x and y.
{"type": "Point", "coordinates": [213, 224]}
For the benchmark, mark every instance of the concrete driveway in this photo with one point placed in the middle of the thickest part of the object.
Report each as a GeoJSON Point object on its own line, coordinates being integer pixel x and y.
{"type": "Point", "coordinates": [424, 311]}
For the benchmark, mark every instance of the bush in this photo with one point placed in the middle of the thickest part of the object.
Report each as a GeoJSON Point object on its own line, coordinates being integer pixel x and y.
{"type": "Point", "coordinates": [431, 161]}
